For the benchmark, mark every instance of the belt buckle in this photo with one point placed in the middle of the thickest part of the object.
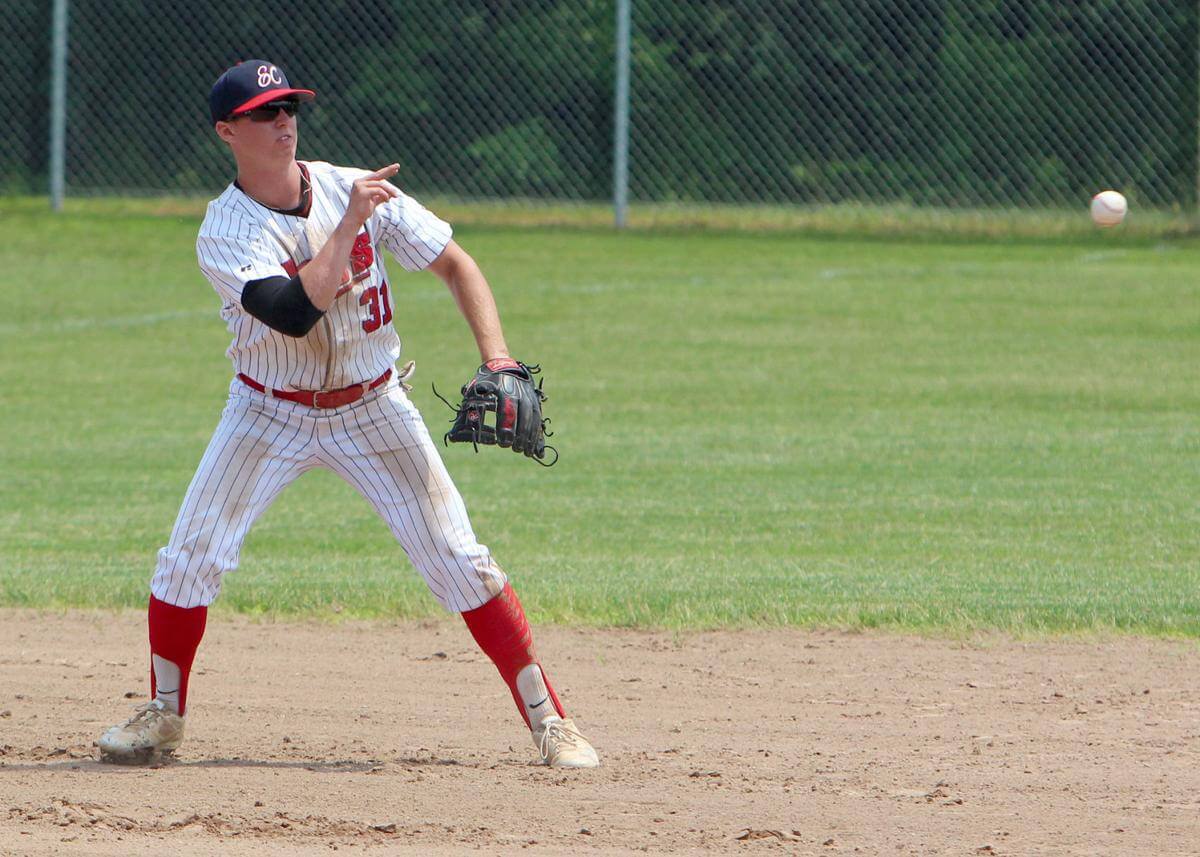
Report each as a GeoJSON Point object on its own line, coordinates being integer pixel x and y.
{"type": "Point", "coordinates": [344, 396]}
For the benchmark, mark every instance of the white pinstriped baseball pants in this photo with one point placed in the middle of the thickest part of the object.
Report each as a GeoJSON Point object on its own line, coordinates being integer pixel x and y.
{"type": "Point", "coordinates": [378, 444]}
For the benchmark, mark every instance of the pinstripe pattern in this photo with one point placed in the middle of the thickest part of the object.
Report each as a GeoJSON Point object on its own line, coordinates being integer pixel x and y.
{"type": "Point", "coordinates": [378, 444]}
{"type": "Point", "coordinates": [241, 240]}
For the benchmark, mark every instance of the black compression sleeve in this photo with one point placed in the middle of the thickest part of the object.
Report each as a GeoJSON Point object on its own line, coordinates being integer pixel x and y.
{"type": "Point", "coordinates": [281, 304]}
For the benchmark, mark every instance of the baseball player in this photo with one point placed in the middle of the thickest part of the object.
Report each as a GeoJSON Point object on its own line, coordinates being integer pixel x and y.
{"type": "Point", "coordinates": [292, 249]}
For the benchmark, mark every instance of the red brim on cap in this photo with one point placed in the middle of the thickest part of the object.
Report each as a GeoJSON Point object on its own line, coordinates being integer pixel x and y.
{"type": "Point", "coordinates": [271, 95]}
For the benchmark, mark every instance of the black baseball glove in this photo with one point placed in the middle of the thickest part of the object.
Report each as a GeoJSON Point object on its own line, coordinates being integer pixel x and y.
{"type": "Point", "coordinates": [503, 387]}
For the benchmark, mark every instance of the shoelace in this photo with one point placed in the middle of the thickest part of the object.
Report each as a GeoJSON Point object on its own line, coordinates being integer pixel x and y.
{"type": "Point", "coordinates": [564, 733]}
{"type": "Point", "coordinates": [144, 713]}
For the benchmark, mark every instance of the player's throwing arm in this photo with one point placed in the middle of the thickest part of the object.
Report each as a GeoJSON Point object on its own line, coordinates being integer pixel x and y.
{"type": "Point", "coordinates": [322, 277]}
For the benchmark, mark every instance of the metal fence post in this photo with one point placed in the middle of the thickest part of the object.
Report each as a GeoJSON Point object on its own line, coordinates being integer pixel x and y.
{"type": "Point", "coordinates": [58, 104]}
{"type": "Point", "coordinates": [621, 123]}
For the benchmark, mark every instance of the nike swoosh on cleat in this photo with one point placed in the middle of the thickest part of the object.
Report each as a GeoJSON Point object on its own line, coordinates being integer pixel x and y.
{"type": "Point", "coordinates": [543, 702]}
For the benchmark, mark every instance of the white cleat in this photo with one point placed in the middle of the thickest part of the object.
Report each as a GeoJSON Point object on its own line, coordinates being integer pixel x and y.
{"type": "Point", "coordinates": [153, 732]}
{"type": "Point", "coordinates": [562, 746]}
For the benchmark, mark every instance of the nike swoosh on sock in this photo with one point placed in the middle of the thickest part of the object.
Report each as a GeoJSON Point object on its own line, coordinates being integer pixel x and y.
{"type": "Point", "coordinates": [538, 704]}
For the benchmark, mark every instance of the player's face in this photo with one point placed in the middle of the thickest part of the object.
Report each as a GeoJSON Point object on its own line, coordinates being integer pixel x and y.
{"type": "Point", "coordinates": [261, 135]}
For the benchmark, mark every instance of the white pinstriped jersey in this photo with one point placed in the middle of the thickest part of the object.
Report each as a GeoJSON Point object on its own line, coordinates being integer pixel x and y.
{"type": "Point", "coordinates": [242, 240]}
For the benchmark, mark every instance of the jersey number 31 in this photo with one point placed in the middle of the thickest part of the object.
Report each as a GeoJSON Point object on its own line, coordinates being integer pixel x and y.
{"type": "Point", "coordinates": [379, 304]}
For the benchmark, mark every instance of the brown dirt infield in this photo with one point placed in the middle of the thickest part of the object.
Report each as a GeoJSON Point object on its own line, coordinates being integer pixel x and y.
{"type": "Point", "coordinates": [307, 738]}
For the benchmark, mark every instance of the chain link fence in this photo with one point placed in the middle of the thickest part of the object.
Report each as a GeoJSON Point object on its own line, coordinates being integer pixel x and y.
{"type": "Point", "coordinates": [24, 77]}
{"type": "Point", "coordinates": [931, 102]}
{"type": "Point", "coordinates": [948, 103]}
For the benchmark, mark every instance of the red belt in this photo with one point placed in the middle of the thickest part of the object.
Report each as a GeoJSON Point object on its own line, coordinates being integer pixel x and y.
{"type": "Point", "coordinates": [320, 398]}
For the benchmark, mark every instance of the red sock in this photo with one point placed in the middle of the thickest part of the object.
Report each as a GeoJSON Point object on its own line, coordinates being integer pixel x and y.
{"type": "Point", "coordinates": [175, 634]}
{"type": "Point", "coordinates": [502, 631]}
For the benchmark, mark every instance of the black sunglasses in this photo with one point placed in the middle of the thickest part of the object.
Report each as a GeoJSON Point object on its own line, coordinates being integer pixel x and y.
{"type": "Point", "coordinates": [267, 112]}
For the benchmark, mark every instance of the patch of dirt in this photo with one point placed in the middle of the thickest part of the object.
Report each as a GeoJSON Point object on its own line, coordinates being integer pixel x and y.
{"type": "Point", "coordinates": [401, 738]}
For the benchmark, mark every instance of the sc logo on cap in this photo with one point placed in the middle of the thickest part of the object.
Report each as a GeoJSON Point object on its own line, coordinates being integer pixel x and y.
{"type": "Point", "coordinates": [268, 74]}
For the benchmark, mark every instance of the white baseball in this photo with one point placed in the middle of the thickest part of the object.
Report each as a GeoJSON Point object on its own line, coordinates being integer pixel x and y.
{"type": "Point", "coordinates": [1108, 208]}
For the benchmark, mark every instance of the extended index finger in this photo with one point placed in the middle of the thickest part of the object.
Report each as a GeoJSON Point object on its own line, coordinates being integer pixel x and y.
{"type": "Point", "coordinates": [384, 172]}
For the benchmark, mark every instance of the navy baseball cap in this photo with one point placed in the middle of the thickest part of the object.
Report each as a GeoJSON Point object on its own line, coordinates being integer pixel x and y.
{"type": "Point", "coordinates": [249, 84]}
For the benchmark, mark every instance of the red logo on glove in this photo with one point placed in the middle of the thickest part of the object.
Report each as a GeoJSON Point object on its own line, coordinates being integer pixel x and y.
{"type": "Point", "coordinates": [498, 363]}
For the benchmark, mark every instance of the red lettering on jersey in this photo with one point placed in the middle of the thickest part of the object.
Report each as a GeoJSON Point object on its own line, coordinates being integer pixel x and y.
{"type": "Point", "coordinates": [344, 286]}
{"type": "Point", "coordinates": [347, 283]}
{"type": "Point", "coordinates": [362, 256]}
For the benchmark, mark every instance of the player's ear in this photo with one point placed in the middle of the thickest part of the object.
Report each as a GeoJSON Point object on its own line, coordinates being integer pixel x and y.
{"type": "Point", "coordinates": [225, 131]}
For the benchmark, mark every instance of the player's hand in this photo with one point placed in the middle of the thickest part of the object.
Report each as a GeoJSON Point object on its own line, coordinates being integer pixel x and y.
{"type": "Point", "coordinates": [368, 192]}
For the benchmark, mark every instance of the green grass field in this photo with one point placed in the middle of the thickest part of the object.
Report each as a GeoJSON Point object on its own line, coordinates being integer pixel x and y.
{"type": "Point", "coordinates": [939, 436]}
